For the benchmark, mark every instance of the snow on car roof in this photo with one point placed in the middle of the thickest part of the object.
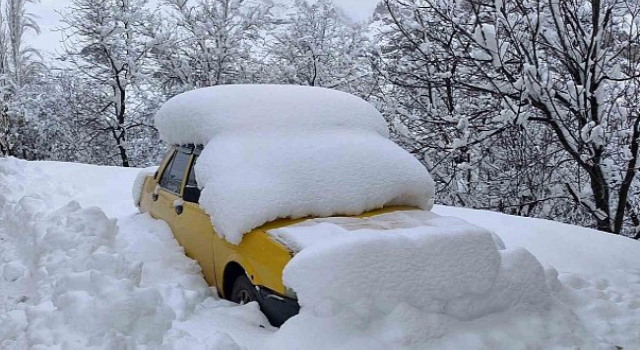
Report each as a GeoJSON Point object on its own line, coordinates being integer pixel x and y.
{"type": "Point", "coordinates": [198, 115]}
{"type": "Point", "coordinates": [276, 151]}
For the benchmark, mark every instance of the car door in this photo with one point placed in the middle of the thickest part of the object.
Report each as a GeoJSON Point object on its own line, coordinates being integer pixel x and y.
{"type": "Point", "coordinates": [170, 185]}
{"type": "Point", "coordinates": [194, 230]}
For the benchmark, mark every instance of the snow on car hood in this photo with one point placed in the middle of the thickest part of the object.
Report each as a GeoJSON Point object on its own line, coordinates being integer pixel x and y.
{"type": "Point", "coordinates": [318, 230]}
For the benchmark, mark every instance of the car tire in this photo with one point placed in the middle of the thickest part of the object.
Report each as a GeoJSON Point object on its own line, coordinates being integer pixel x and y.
{"type": "Point", "coordinates": [243, 291]}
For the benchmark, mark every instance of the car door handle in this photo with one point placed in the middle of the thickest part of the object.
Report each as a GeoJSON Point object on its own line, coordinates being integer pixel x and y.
{"type": "Point", "coordinates": [178, 209]}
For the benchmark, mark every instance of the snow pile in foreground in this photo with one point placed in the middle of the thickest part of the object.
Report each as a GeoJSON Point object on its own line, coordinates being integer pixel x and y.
{"type": "Point", "coordinates": [70, 280]}
{"type": "Point", "coordinates": [431, 285]}
{"type": "Point", "coordinates": [275, 151]}
{"type": "Point", "coordinates": [82, 285]}
{"type": "Point", "coordinates": [600, 272]}
{"type": "Point", "coordinates": [593, 303]}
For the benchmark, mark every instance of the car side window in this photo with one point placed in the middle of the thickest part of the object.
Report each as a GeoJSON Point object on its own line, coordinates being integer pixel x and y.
{"type": "Point", "coordinates": [191, 192]}
{"type": "Point", "coordinates": [173, 174]}
{"type": "Point", "coordinates": [191, 180]}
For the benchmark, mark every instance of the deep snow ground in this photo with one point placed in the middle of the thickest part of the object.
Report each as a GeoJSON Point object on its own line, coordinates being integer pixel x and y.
{"type": "Point", "coordinates": [72, 277]}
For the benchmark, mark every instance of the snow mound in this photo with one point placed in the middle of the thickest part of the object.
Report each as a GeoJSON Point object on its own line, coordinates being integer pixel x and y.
{"type": "Point", "coordinates": [138, 183]}
{"type": "Point", "coordinates": [86, 294]}
{"type": "Point", "coordinates": [277, 151]}
{"type": "Point", "coordinates": [430, 267]}
{"type": "Point", "coordinates": [68, 256]}
{"type": "Point", "coordinates": [422, 287]}
{"type": "Point", "coordinates": [84, 286]}
{"type": "Point", "coordinates": [600, 273]}
{"type": "Point", "coordinates": [549, 241]}
{"type": "Point", "coordinates": [199, 115]}
{"type": "Point", "coordinates": [248, 180]}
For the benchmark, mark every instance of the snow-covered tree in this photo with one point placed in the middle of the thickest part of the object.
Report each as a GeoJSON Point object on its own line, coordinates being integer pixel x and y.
{"type": "Point", "coordinates": [559, 74]}
{"type": "Point", "coordinates": [208, 42]}
{"type": "Point", "coordinates": [108, 42]}
{"type": "Point", "coordinates": [20, 65]}
{"type": "Point", "coordinates": [62, 106]}
{"type": "Point", "coordinates": [316, 44]}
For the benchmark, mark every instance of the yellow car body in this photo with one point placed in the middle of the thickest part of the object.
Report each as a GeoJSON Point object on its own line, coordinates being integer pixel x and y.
{"type": "Point", "coordinates": [258, 256]}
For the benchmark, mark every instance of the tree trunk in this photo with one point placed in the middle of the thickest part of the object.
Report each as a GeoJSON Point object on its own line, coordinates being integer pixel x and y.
{"type": "Point", "coordinates": [123, 155]}
{"type": "Point", "coordinates": [123, 152]}
{"type": "Point", "coordinates": [601, 199]}
{"type": "Point", "coordinates": [119, 138]}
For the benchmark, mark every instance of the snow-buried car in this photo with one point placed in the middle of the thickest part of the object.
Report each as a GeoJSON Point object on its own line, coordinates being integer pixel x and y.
{"type": "Point", "coordinates": [265, 181]}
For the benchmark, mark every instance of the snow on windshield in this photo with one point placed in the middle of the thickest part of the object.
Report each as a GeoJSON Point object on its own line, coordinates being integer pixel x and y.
{"type": "Point", "coordinates": [281, 151]}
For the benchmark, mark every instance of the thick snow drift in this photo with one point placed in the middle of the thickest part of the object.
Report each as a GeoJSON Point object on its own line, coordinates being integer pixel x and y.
{"type": "Point", "coordinates": [590, 250]}
{"type": "Point", "coordinates": [66, 274]}
{"type": "Point", "coordinates": [251, 180]}
{"type": "Point", "coordinates": [275, 151]}
{"type": "Point", "coordinates": [425, 266]}
{"type": "Point", "coordinates": [199, 115]}
{"type": "Point", "coordinates": [421, 287]}
{"type": "Point", "coordinates": [80, 284]}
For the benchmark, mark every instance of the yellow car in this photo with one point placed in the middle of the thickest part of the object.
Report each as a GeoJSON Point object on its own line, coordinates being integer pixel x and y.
{"type": "Point", "coordinates": [249, 271]}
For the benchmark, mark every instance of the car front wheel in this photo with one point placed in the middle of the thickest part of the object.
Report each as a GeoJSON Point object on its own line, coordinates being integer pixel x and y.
{"type": "Point", "coordinates": [243, 291]}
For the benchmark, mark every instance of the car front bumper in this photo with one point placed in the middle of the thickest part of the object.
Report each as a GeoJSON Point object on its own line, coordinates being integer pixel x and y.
{"type": "Point", "coordinates": [277, 308]}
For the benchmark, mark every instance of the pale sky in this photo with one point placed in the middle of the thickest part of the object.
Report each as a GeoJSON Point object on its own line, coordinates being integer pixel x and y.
{"type": "Point", "coordinates": [49, 19]}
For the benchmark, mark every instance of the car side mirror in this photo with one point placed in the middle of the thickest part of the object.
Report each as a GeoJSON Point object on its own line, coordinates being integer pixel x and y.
{"type": "Point", "coordinates": [191, 194]}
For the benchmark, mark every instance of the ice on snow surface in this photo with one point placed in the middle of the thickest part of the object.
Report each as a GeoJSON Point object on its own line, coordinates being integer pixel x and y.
{"type": "Point", "coordinates": [283, 151]}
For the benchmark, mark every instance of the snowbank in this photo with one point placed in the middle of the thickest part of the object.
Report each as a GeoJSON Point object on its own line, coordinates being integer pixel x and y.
{"type": "Point", "coordinates": [87, 295]}
{"type": "Point", "coordinates": [199, 115]}
{"type": "Point", "coordinates": [108, 187]}
{"type": "Point", "coordinates": [46, 252]}
{"type": "Point", "coordinates": [70, 277]}
{"type": "Point", "coordinates": [599, 272]}
{"type": "Point", "coordinates": [422, 286]}
{"type": "Point", "coordinates": [590, 252]}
